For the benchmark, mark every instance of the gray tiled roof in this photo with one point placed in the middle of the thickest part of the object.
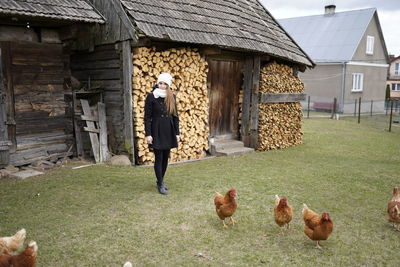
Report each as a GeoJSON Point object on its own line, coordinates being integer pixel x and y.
{"type": "Point", "coordinates": [331, 37]}
{"type": "Point", "coordinates": [73, 10]}
{"type": "Point", "coordinates": [243, 24]}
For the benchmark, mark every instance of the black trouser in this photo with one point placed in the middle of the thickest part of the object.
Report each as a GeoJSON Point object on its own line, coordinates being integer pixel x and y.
{"type": "Point", "coordinates": [161, 163]}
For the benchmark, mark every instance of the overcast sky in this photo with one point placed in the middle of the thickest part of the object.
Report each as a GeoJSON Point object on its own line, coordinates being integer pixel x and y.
{"type": "Point", "coordinates": [388, 13]}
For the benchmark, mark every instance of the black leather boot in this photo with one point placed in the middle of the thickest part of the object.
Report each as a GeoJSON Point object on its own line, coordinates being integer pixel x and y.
{"type": "Point", "coordinates": [162, 190]}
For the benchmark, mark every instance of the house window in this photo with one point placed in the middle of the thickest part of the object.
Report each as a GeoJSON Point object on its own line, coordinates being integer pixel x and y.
{"type": "Point", "coordinates": [358, 80]}
{"type": "Point", "coordinates": [395, 86]}
{"type": "Point", "coordinates": [397, 69]}
{"type": "Point", "coordinates": [370, 45]}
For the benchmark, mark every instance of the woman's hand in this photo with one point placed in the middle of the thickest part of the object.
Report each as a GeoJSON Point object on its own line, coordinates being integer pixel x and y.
{"type": "Point", "coordinates": [149, 139]}
{"type": "Point", "coordinates": [178, 138]}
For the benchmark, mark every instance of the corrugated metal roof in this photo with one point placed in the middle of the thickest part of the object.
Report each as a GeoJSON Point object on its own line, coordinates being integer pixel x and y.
{"type": "Point", "coordinates": [243, 24]}
{"type": "Point", "coordinates": [329, 37]}
{"type": "Point", "coordinates": [73, 10]}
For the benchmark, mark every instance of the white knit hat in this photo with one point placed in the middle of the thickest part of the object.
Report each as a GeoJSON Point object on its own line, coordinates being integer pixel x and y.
{"type": "Point", "coordinates": [165, 77]}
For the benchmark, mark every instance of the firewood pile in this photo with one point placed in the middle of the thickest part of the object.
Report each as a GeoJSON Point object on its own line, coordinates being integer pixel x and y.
{"type": "Point", "coordinates": [279, 123]}
{"type": "Point", "coordinates": [189, 71]}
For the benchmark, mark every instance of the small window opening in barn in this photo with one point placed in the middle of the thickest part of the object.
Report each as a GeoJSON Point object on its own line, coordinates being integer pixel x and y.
{"type": "Point", "coordinates": [370, 45]}
{"type": "Point", "coordinates": [358, 80]}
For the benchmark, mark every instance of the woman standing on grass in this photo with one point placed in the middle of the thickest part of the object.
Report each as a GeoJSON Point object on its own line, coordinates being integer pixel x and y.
{"type": "Point", "coordinates": [161, 126]}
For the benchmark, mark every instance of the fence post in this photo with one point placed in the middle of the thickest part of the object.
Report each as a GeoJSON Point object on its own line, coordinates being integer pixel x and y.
{"type": "Point", "coordinates": [372, 104]}
{"type": "Point", "coordinates": [333, 108]}
{"type": "Point", "coordinates": [308, 107]}
{"type": "Point", "coordinates": [391, 112]}
{"type": "Point", "coordinates": [359, 109]}
{"type": "Point", "coordinates": [355, 107]}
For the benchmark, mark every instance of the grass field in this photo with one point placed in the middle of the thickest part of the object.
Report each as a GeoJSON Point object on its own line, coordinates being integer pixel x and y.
{"type": "Point", "coordinates": [104, 216]}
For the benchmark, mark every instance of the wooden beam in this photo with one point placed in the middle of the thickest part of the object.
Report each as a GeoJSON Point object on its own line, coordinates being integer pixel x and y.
{"type": "Point", "coordinates": [77, 129]}
{"type": "Point", "coordinates": [104, 153]}
{"type": "Point", "coordinates": [10, 98]}
{"type": "Point", "coordinates": [127, 68]}
{"type": "Point", "coordinates": [91, 130]}
{"type": "Point", "coordinates": [247, 81]}
{"type": "Point", "coordinates": [210, 50]}
{"type": "Point", "coordinates": [4, 143]}
{"type": "Point", "coordinates": [89, 118]}
{"type": "Point", "coordinates": [254, 102]}
{"type": "Point", "coordinates": [282, 98]}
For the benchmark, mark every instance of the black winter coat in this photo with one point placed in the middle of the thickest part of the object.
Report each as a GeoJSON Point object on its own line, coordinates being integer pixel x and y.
{"type": "Point", "coordinates": [159, 124]}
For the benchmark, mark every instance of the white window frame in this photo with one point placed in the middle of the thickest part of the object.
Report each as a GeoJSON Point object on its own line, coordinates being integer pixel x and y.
{"type": "Point", "coordinates": [358, 82]}
{"type": "Point", "coordinates": [395, 87]}
{"type": "Point", "coordinates": [370, 45]}
{"type": "Point", "coordinates": [397, 69]}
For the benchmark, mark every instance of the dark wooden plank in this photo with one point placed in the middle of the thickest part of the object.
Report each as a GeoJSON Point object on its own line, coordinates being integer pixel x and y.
{"type": "Point", "coordinates": [103, 74]}
{"type": "Point", "coordinates": [127, 97]}
{"type": "Point", "coordinates": [254, 102]}
{"type": "Point", "coordinates": [247, 82]}
{"type": "Point", "coordinates": [101, 55]}
{"type": "Point", "coordinates": [10, 109]}
{"type": "Point", "coordinates": [22, 47]}
{"type": "Point", "coordinates": [41, 125]}
{"type": "Point", "coordinates": [105, 64]}
{"type": "Point", "coordinates": [37, 78]}
{"type": "Point", "coordinates": [4, 143]}
{"type": "Point", "coordinates": [43, 139]}
{"type": "Point", "coordinates": [77, 129]}
{"type": "Point", "coordinates": [37, 60]}
{"type": "Point", "coordinates": [23, 89]}
{"type": "Point", "coordinates": [282, 98]}
{"type": "Point", "coordinates": [107, 85]}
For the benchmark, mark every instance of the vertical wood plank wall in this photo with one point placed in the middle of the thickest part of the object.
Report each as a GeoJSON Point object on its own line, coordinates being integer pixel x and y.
{"type": "Point", "coordinates": [104, 67]}
{"type": "Point", "coordinates": [36, 73]}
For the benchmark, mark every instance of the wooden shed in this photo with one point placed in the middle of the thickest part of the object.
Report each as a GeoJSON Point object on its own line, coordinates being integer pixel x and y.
{"type": "Point", "coordinates": [35, 77]}
{"type": "Point", "coordinates": [231, 62]}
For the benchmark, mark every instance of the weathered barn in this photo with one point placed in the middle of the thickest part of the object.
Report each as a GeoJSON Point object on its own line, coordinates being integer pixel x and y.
{"type": "Point", "coordinates": [215, 51]}
{"type": "Point", "coordinates": [35, 77]}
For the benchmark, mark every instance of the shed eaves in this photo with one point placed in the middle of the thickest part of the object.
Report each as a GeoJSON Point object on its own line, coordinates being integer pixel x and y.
{"type": "Point", "coordinates": [243, 24]}
{"type": "Point", "coordinates": [72, 10]}
{"type": "Point", "coordinates": [330, 37]}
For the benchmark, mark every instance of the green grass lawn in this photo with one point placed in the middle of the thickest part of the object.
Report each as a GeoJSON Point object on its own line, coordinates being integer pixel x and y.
{"type": "Point", "coordinates": [104, 216]}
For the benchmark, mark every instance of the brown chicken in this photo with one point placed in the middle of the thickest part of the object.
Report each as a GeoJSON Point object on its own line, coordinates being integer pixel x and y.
{"type": "Point", "coordinates": [13, 243]}
{"type": "Point", "coordinates": [283, 212]}
{"type": "Point", "coordinates": [317, 227]}
{"type": "Point", "coordinates": [26, 258]}
{"type": "Point", "coordinates": [226, 205]}
{"type": "Point", "coordinates": [393, 209]}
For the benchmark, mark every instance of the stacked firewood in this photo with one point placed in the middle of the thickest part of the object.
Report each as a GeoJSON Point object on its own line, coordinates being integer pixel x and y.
{"type": "Point", "coordinates": [279, 123]}
{"type": "Point", "coordinates": [189, 72]}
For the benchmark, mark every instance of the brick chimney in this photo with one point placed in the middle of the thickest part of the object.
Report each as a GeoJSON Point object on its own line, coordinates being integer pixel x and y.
{"type": "Point", "coordinates": [330, 9]}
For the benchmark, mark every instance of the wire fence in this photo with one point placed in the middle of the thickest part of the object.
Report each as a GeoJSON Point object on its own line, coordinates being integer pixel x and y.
{"type": "Point", "coordinates": [358, 109]}
{"type": "Point", "coordinates": [326, 105]}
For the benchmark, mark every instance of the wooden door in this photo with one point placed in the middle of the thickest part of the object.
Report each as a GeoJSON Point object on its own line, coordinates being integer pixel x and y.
{"type": "Point", "coordinates": [224, 82]}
